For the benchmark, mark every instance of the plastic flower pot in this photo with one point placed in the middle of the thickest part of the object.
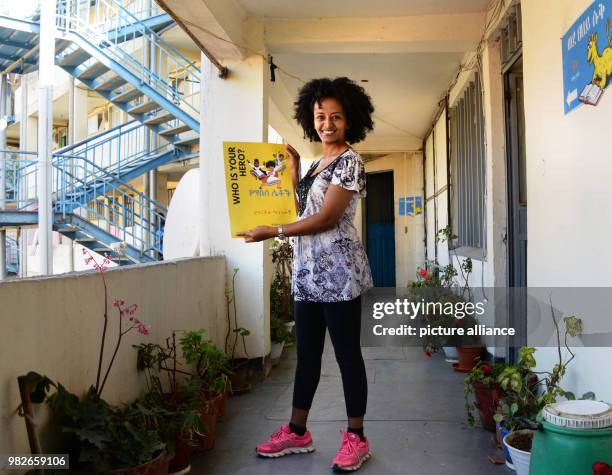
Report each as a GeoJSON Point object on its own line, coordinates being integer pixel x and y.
{"type": "Point", "coordinates": [520, 458]}
{"type": "Point", "coordinates": [451, 355]}
{"type": "Point", "coordinates": [503, 433]}
{"type": "Point", "coordinates": [276, 351]}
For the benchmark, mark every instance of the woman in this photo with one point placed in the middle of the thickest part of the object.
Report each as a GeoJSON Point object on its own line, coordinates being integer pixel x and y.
{"type": "Point", "coordinates": [330, 267]}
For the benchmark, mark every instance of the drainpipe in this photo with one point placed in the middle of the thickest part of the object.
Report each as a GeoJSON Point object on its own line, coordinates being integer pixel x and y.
{"type": "Point", "coordinates": [45, 122]}
{"type": "Point", "coordinates": [3, 126]}
{"type": "Point", "coordinates": [23, 134]}
{"type": "Point", "coordinates": [71, 124]}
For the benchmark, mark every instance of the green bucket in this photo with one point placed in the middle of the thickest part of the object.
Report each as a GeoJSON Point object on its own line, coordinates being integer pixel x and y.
{"type": "Point", "coordinates": [566, 447]}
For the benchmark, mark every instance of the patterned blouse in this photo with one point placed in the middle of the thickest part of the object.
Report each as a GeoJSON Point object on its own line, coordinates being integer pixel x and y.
{"type": "Point", "coordinates": [331, 266]}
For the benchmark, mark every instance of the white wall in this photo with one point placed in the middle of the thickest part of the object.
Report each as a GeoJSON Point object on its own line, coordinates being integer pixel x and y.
{"type": "Point", "coordinates": [53, 326]}
{"type": "Point", "coordinates": [568, 181]}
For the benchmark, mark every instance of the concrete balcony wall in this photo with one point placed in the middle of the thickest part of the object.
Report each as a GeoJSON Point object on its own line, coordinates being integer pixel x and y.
{"type": "Point", "coordinates": [54, 326]}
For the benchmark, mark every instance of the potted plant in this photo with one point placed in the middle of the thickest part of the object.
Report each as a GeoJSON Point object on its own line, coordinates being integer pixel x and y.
{"type": "Point", "coordinates": [211, 370]}
{"type": "Point", "coordinates": [182, 424]}
{"type": "Point", "coordinates": [527, 391]}
{"type": "Point", "coordinates": [482, 383]}
{"type": "Point", "coordinates": [437, 286]}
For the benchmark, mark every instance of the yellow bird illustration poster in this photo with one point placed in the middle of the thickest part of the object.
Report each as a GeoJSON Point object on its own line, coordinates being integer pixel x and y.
{"type": "Point", "coordinates": [259, 187]}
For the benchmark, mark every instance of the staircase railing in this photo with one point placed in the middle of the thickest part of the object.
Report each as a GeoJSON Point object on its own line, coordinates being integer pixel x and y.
{"type": "Point", "coordinates": [176, 78]}
{"type": "Point", "coordinates": [115, 150]}
{"type": "Point", "coordinates": [81, 187]}
{"type": "Point", "coordinates": [21, 178]}
{"type": "Point", "coordinates": [119, 209]}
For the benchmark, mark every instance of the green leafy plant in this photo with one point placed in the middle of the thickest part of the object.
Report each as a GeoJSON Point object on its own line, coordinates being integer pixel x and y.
{"type": "Point", "coordinates": [102, 437]}
{"type": "Point", "coordinates": [445, 285]}
{"type": "Point", "coordinates": [527, 390]}
{"type": "Point", "coordinates": [210, 363]}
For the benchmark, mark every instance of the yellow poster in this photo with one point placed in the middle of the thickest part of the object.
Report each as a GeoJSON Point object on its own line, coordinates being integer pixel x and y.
{"type": "Point", "coordinates": [259, 187]}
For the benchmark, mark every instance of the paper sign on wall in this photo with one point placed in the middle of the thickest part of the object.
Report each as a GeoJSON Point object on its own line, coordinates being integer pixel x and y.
{"type": "Point", "coordinates": [587, 56]}
{"type": "Point", "coordinates": [410, 206]}
{"type": "Point", "coordinates": [259, 187]}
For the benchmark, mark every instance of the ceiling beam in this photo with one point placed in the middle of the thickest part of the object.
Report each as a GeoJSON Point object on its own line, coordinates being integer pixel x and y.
{"type": "Point", "coordinates": [408, 34]}
{"type": "Point", "coordinates": [215, 26]}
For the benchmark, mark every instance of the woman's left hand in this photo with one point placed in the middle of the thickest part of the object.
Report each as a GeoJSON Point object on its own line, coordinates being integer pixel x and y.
{"type": "Point", "coordinates": [258, 234]}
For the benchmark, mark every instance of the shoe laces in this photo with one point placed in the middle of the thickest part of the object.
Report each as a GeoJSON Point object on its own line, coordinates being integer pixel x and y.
{"type": "Point", "coordinates": [278, 434]}
{"type": "Point", "coordinates": [349, 443]}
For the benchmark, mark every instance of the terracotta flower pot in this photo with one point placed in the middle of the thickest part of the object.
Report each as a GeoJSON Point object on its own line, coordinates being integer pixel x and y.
{"type": "Point", "coordinates": [239, 379]}
{"type": "Point", "coordinates": [182, 451]}
{"type": "Point", "coordinates": [486, 401]}
{"type": "Point", "coordinates": [468, 356]}
{"type": "Point", "coordinates": [208, 414]}
{"type": "Point", "coordinates": [157, 466]}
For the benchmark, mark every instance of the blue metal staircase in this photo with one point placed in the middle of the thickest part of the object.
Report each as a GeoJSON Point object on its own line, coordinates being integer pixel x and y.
{"type": "Point", "coordinates": [90, 206]}
{"type": "Point", "coordinates": [113, 47]}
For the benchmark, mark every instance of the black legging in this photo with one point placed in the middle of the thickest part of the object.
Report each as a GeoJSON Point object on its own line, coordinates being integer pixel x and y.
{"type": "Point", "coordinates": [343, 319]}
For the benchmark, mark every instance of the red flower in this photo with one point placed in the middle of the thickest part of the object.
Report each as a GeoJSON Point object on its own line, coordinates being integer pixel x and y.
{"type": "Point", "coordinates": [601, 468]}
{"type": "Point", "coordinates": [487, 369]}
{"type": "Point", "coordinates": [422, 272]}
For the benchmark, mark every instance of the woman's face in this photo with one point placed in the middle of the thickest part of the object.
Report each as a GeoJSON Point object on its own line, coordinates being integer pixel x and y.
{"type": "Point", "coordinates": [330, 121]}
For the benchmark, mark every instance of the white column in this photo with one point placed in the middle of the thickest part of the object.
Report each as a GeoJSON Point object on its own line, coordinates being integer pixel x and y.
{"type": "Point", "coordinates": [45, 123]}
{"type": "Point", "coordinates": [3, 127]}
{"type": "Point", "coordinates": [234, 109]}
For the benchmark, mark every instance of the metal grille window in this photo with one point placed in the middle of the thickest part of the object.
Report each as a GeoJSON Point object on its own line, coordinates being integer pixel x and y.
{"type": "Point", "coordinates": [468, 168]}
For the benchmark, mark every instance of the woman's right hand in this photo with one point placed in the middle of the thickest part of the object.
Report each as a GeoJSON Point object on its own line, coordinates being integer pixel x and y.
{"type": "Point", "coordinates": [294, 156]}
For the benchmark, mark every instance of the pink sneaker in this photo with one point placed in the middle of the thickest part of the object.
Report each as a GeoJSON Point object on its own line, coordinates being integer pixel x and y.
{"type": "Point", "coordinates": [284, 442]}
{"type": "Point", "coordinates": [352, 453]}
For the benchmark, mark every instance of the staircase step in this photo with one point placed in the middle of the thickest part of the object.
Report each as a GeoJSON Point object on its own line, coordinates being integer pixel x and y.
{"type": "Point", "coordinates": [188, 142]}
{"type": "Point", "coordinates": [102, 249]}
{"type": "Point", "coordinates": [85, 239]}
{"type": "Point", "coordinates": [94, 71]}
{"type": "Point", "coordinates": [112, 84]}
{"type": "Point", "coordinates": [127, 96]}
{"type": "Point", "coordinates": [69, 229]}
{"type": "Point", "coordinates": [175, 130]}
{"type": "Point", "coordinates": [143, 108]}
{"type": "Point", "coordinates": [74, 58]}
{"type": "Point", "coordinates": [159, 119]}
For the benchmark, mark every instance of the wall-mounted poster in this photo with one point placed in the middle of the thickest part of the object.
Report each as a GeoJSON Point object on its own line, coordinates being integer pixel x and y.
{"type": "Point", "coordinates": [587, 56]}
{"type": "Point", "coordinates": [259, 187]}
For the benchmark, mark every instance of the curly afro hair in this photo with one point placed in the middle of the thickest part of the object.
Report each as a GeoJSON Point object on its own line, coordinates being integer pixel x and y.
{"type": "Point", "coordinates": [355, 101]}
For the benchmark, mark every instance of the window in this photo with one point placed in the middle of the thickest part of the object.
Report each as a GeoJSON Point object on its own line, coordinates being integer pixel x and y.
{"type": "Point", "coordinates": [468, 168]}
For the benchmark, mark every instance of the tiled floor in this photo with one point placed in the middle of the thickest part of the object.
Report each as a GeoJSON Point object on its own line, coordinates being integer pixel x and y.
{"type": "Point", "coordinates": [415, 421]}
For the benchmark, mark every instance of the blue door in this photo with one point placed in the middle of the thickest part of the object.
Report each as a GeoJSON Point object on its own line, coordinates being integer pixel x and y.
{"type": "Point", "coordinates": [380, 228]}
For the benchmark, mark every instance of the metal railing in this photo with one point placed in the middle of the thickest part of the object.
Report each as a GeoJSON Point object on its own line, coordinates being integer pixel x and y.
{"type": "Point", "coordinates": [116, 150]}
{"type": "Point", "coordinates": [81, 187]}
{"type": "Point", "coordinates": [21, 179]}
{"type": "Point", "coordinates": [176, 77]}
{"type": "Point", "coordinates": [118, 208]}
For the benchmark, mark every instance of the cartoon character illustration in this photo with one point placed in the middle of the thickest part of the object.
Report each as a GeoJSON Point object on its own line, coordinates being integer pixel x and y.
{"type": "Point", "coordinates": [280, 162]}
{"type": "Point", "coordinates": [257, 170]}
{"type": "Point", "coordinates": [272, 174]}
{"type": "Point", "coordinates": [602, 63]}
